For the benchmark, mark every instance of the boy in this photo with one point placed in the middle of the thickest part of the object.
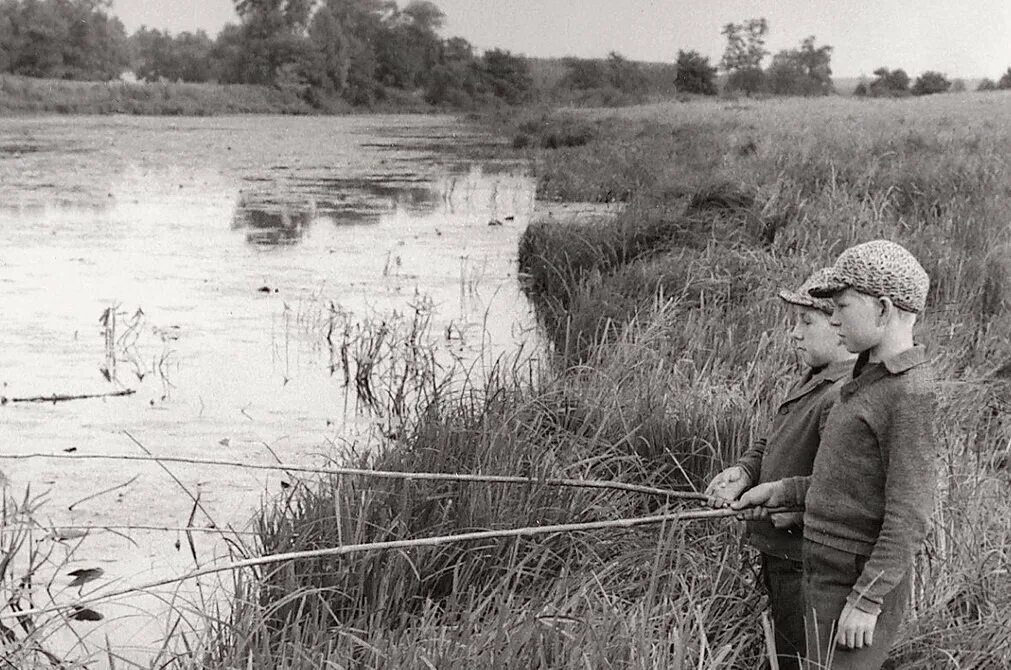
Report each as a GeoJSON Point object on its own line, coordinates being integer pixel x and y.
{"type": "Point", "coordinates": [789, 451]}
{"type": "Point", "coordinates": [867, 501]}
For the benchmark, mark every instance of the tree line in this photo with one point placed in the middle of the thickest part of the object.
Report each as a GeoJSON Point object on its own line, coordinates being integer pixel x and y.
{"type": "Point", "coordinates": [334, 53]}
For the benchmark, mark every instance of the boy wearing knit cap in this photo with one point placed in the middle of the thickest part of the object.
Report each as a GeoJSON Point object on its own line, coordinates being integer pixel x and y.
{"type": "Point", "coordinates": [868, 499]}
{"type": "Point", "coordinates": [788, 451]}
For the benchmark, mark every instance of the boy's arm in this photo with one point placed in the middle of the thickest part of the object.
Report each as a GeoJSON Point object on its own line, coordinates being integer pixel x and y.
{"type": "Point", "coordinates": [909, 443]}
{"type": "Point", "coordinates": [751, 460]}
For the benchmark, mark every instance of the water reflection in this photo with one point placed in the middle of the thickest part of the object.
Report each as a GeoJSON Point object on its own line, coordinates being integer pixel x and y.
{"type": "Point", "coordinates": [271, 220]}
{"type": "Point", "coordinates": [273, 224]}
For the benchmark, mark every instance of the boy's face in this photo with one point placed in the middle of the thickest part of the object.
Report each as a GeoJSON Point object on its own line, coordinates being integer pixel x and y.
{"type": "Point", "coordinates": [816, 340]}
{"type": "Point", "coordinates": [858, 320]}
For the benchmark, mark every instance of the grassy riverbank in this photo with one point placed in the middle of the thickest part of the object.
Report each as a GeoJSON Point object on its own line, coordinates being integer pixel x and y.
{"type": "Point", "coordinates": [26, 95]}
{"type": "Point", "coordinates": [670, 355]}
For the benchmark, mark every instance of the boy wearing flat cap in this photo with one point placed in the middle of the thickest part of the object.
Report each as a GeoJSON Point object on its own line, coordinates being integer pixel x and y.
{"type": "Point", "coordinates": [871, 491]}
{"type": "Point", "coordinates": [787, 451]}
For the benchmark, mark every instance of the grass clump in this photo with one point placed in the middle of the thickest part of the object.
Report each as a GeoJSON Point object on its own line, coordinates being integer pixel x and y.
{"type": "Point", "coordinates": [609, 599]}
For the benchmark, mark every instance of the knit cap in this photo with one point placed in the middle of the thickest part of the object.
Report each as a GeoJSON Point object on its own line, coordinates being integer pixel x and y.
{"type": "Point", "coordinates": [880, 268]}
{"type": "Point", "coordinates": [802, 295]}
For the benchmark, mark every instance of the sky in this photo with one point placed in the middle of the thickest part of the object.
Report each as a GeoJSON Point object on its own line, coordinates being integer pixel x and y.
{"type": "Point", "coordinates": [960, 39]}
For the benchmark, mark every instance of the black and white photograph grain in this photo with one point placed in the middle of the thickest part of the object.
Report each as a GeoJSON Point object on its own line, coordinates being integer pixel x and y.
{"type": "Point", "coordinates": [505, 334]}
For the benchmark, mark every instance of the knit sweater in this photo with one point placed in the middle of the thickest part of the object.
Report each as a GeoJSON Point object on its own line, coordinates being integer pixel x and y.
{"type": "Point", "coordinates": [789, 450]}
{"type": "Point", "coordinates": [873, 482]}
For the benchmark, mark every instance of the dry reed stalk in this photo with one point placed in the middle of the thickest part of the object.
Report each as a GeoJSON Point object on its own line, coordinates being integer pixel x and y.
{"type": "Point", "coordinates": [55, 398]}
{"type": "Point", "coordinates": [382, 474]}
{"type": "Point", "coordinates": [386, 546]}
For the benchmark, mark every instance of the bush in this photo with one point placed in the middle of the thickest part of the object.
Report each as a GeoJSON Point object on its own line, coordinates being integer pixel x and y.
{"type": "Point", "coordinates": [929, 83]}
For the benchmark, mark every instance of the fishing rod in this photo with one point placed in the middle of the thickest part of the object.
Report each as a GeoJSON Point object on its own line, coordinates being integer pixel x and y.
{"type": "Point", "coordinates": [344, 550]}
{"type": "Point", "coordinates": [382, 474]}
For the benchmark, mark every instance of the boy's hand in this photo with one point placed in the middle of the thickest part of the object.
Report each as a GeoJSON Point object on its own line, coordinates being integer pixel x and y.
{"type": "Point", "coordinates": [856, 628]}
{"type": "Point", "coordinates": [727, 486]}
{"type": "Point", "coordinates": [755, 502]}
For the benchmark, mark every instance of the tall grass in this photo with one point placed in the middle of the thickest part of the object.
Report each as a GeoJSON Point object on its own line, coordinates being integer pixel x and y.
{"type": "Point", "coordinates": [783, 188]}
{"type": "Point", "coordinates": [667, 360]}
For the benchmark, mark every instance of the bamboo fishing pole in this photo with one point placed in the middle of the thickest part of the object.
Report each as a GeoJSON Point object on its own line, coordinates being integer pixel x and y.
{"type": "Point", "coordinates": [382, 474]}
{"type": "Point", "coordinates": [383, 546]}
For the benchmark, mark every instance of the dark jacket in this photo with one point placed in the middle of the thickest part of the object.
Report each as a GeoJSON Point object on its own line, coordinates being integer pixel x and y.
{"type": "Point", "coordinates": [790, 447]}
{"type": "Point", "coordinates": [873, 483]}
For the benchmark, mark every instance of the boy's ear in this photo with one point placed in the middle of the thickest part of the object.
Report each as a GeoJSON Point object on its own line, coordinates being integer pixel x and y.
{"type": "Point", "coordinates": [885, 308]}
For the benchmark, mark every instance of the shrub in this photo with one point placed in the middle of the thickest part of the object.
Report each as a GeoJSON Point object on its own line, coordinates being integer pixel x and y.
{"type": "Point", "coordinates": [929, 83]}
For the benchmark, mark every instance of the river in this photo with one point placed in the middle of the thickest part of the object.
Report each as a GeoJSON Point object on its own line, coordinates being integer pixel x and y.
{"type": "Point", "coordinates": [199, 263]}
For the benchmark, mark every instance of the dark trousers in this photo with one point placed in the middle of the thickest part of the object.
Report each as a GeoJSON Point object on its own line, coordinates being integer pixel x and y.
{"type": "Point", "coordinates": [829, 576]}
{"type": "Point", "coordinates": [784, 582]}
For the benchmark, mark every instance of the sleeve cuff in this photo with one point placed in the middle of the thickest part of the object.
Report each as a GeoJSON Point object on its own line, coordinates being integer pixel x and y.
{"type": "Point", "coordinates": [749, 470]}
{"type": "Point", "coordinates": [795, 490]}
{"type": "Point", "coordinates": [863, 604]}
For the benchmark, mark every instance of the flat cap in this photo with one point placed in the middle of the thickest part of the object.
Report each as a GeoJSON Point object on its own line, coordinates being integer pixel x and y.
{"type": "Point", "coordinates": [802, 295]}
{"type": "Point", "coordinates": [880, 268]}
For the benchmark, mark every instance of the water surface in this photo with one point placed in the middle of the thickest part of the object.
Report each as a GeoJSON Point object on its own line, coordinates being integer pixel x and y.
{"type": "Point", "coordinates": [197, 262]}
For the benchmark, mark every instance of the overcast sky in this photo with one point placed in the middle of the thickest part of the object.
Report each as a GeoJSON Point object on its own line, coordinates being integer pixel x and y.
{"type": "Point", "coordinates": [971, 38]}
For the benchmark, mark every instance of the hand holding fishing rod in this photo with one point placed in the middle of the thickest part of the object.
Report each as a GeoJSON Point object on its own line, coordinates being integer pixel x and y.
{"type": "Point", "coordinates": [770, 501]}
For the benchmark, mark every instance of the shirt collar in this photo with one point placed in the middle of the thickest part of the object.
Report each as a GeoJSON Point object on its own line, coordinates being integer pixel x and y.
{"type": "Point", "coordinates": [833, 372]}
{"type": "Point", "coordinates": [897, 364]}
{"type": "Point", "coordinates": [907, 359]}
{"type": "Point", "coordinates": [830, 373]}
{"type": "Point", "coordinates": [865, 373]}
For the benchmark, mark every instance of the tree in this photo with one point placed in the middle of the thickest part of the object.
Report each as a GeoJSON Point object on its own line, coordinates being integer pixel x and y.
{"type": "Point", "coordinates": [889, 82]}
{"type": "Point", "coordinates": [156, 55]}
{"type": "Point", "coordinates": [1005, 80]}
{"type": "Point", "coordinates": [625, 75]}
{"type": "Point", "coordinates": [333, 46]}
{"type": "Point", "coordinates": [65, 39]}
{"type": "Point", "coordinates": [8, 15]}
{"type": "Point", "coordinates": [270, 46]}
{"type": "Point", "coordinates": [742, 58]}
{"type": "Point", "coordinates": [583, 74]}
{"type": "Point", "coordinates": [803, 71]}
{"type": "Point", "coordinates": [294, 14]}
{"type": "Point", "coordinates": [410, 46]}
{"type": "Point", "coordinates": [425, 15]}
{"type": "Point", "coordinates": [987, 85]}
{"type": "Point", "coordinates": [507, 76]}
{"type": "Point", "coordinates": [695, 74]}
{"type": "Point", "coordinates": [931, 82]}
